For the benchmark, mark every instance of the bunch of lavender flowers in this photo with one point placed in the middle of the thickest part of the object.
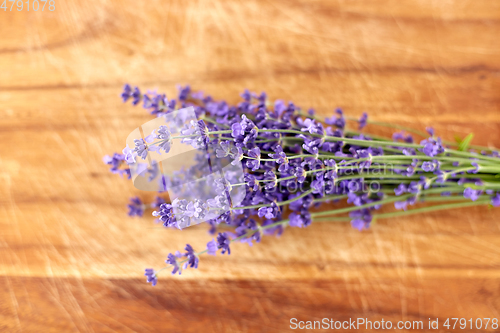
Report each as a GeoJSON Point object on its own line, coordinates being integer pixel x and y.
{"type": "Point", "coordinates": [300, 168]}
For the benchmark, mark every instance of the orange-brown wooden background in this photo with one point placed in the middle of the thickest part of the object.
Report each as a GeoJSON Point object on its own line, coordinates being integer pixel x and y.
{"type": "Point", "coordinates": [71, 260]}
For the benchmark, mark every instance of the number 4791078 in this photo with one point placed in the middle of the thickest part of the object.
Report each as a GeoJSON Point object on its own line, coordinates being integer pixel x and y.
{"type": "Point", "coordinates": [35, 5]}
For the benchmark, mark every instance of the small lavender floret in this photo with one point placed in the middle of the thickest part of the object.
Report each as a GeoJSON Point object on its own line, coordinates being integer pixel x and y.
{"type": "Point", "coordinates": [495, 201]}
{"type": "Point", "coordinates": [269, 212]}
{"type": "Point", "coordinates": [127, 92]}
{"type": "Point", "coordinates": [136, 96]}
{"type": "Point", "coordinates": [192, 258]}
{"type": "Point", "coordinates": [223, 150]}
{"type": "Point", "coordinates": [254, 163]}
{"type": "Point", "coordinates": [135, 207]}
{"type": "Point", "coordinates": [212, 247]}
{"type": "Point", "coordinates": [363, 121]}
{"type": "Point", "coordinates": [472, 194]}
{"type": "Point", "coordinates": [361, 219]}
{"type": "Point", "coordinates": [223, 242]}
{"type": "Point", "coordinates": [401, 205]}
{"type": "Point", "coordinates": [151, 276]}
{"type": "Point", "coordinates": [141, 148]}
{"type": "Point", "coordinates": [401, 189]}
{"type": "Point", "coordinates": [302, 219]}
{"type": "Point", "coordinates": [172, 260]}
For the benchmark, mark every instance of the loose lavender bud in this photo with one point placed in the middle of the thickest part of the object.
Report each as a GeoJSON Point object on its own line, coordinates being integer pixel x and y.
{"type": "Point", "coordinates": [401, 205]}
{"type": "Point", "coordinates": [363, 121]}
{"type": "Point", "coordinates": [135, 207]}
{"type": "Point", "coordinates": [184, 93]}
{"type": "Point", "coordinates": [212, 247]}
{"type": "Point", "coordinates": [495, 201]}
{"type": "Point", "coordinates": [127, 93]}
{"type": "Point", "coordinates": [151, 276]}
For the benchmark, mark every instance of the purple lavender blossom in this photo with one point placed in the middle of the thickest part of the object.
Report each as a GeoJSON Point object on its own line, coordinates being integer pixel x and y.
{"type": "Point", "coordinates": [361, 219]}
{"type": "Point", "coordinates": [270, 180]}
{"type": "Point", "coordinates": [115, 162]}
{"type": "Point", "coordinates": [363, 120]}
{"type": "Point", "coordinates": [337, 121]}
{"type": "Point", "coordinates": [151, 276]}
{"type": "Point", "coordinates": [476, 170]}
{"type": "Point", "coordinates": [172, 260]}
{"type": "Point", "coordinates": [237, 130]}
{"type": "Point", "coordinates": [254, 163]}
{"type": "Point", "coordinates": [322, 168]}
{"type": "Point", "coordinates": [141, 149]}
{"type": "Point", "coordinates": [300, 173]}
{"type": "Point", "coordinates": [251, 182]}
{"type": "Point", "coordinates": [237, 154]}
{"type": "Point", "coordinates": [303, 219]}
{"type": "Point", "coordinates": [212, 247]}
{"type": "Point", "coordinates": [184, 92]}
{"type": "Point", "coordinates": [129, 155]}
{"type": "Point", "coordinates": [311, 126]}
{"type": "Point", "coordinates": [246, 95]}
{"type": "Point", "coordinates": [165, 136]}
{"type": "Point", "coordinates": [223, 150]}
{"type": "Point", "coordinates": [428, 166]}
{"type": "Point", "coordinates": [192, 258]}
{"type": "Point", "coordinates": [135, 207]}
{"type": "Point", "coordinates": [269, 212]}
{"type": "Point", "coordinates": [432, 147]}
{"type": "Point", "coordinates": [166, 215]}
{"type": "Point", "coordinates": [401, 205]}
{"type": "Point", "coordinates": [401, 189]}
{"type": "Point", "coordinates": [279, 155]}
{"type": "Point", "coordinates": [127, 93]}
{"type": "Point", "coordinates": [223, 242]}
{"type": "Point", "coordinates": [472, 194]}
{"type": "Point", "coordinates": [136, 96]}
{"type": "Point", "coordinates": [495, 201]}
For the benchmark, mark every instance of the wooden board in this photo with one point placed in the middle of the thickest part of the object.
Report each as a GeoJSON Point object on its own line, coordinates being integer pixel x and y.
{"type": "Point", "coordinates": [71, 260]}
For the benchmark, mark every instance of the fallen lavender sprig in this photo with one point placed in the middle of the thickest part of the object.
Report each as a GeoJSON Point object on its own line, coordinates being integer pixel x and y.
{"type": "Point", "coordinates": [296, 162]}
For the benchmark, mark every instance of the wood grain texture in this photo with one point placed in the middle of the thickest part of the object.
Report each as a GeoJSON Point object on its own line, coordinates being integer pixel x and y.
{"type": "Point", "coordinates": [70, 258]}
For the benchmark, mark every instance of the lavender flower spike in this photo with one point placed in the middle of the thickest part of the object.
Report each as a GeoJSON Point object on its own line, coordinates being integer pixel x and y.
{"type": "Point", "coordinates": [151, 276]}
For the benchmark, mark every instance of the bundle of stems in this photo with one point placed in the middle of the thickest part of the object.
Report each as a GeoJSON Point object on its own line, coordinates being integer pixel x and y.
{"type": "Point", "coordinates": [300, 168]}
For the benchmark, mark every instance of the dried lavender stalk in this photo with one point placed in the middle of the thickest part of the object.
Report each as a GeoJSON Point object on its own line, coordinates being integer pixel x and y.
{"type": "Point", "coordinates": [295, 162]}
